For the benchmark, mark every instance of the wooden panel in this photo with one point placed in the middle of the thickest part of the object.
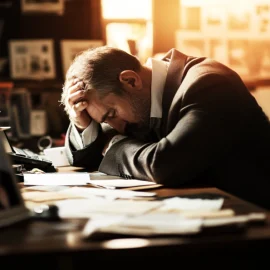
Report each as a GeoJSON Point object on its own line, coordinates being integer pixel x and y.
{"type": "Point", "coordinates": [165, 24]}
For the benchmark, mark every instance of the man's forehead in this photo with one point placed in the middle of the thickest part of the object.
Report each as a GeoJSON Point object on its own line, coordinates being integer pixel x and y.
{"type": "Point", "coordinates": [92, 94]}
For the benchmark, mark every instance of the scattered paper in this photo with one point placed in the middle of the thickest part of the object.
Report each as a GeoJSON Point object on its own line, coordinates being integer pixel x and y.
{"type": "Point", "coordinates": [97, 222]}
{"type": "Point", "coordinates": [120, 183]}
{"type": "Point", "coordinates": [153, 224]}
{"type": "Point", "coordinates": [44, 188]}
{"type": "Point", "coordinates": [180, 204]}
{"type": "Point", "coordinates": [108, 193]}
{"type": "Point", "coordinates": [86, 208]}
{"type": "Point", "coordinates": [41, 196]}
{"type": "Point", "coordinates": [207, 213]}
{"type": "Point", "coordinates": [57, 178]}
{"type": "Point", "coordinates": [240, 219]}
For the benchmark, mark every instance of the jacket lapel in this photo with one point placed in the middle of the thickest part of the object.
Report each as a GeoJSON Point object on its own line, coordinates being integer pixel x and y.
{"type": "Point", "coordinates": [175, 73]}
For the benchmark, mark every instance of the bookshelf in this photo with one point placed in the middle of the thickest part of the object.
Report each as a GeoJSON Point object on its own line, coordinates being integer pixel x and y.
{"type": "Point", "coordinates": [5, 112]}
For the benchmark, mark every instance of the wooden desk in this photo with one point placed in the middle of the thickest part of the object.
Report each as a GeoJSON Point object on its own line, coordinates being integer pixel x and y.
{"type": "Point", "coordinates": [56, 245]}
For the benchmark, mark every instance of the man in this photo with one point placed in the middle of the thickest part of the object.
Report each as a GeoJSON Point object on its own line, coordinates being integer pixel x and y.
{"type": "Point", "coordinates": [179, 121]}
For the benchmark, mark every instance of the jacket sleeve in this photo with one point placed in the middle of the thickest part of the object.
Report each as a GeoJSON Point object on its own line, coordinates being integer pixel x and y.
{"type": "Point", "coordinates": [90, 156]}
{"type": "Point", "coordinates": [203, 128]}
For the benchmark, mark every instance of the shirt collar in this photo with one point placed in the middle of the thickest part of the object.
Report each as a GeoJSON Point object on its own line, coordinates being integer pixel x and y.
{"type": "Point", "coordinates": [159, 74]}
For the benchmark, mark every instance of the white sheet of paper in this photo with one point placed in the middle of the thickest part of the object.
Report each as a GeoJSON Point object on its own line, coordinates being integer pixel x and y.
{"type": "Point", "coordinates": [183, 204]}
{"type": "Point", "coordinates": [154, 224]}
{"type": "Point", "coordinates": [120, 183]}
{"type": "Point", "coordinates": [58, 178]}
{"type": "Point", "coordinates": [86, 208]}
{"type": "Point", "coordinates": [108, 193]}
{"type": "Point", "coordinates": [97, 222]}
{"type": "Point", "coordinates": [45, 188]}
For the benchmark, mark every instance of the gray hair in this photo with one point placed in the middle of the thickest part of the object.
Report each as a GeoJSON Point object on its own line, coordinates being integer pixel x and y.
{"type": "Point", "coordinates": [99, 69]}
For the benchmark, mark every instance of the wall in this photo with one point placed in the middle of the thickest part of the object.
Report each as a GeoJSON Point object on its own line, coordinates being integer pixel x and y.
{"type": "Point", "coordinates": [81, 20]}
{"type": "Point", "coordinates": [262, 95]}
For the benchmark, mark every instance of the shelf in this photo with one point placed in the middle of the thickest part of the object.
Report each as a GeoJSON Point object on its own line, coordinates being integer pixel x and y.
{"type": "Point", "coordinates": [35, 85]}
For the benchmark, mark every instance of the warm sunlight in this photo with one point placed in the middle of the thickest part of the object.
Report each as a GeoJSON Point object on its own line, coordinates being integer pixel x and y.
{"type": "Point", "coordinates": [126, 9]}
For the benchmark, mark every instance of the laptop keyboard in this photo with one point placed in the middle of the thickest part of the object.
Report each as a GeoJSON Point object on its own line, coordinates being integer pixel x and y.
{"type": "Point", "coordinates": [30, 154]}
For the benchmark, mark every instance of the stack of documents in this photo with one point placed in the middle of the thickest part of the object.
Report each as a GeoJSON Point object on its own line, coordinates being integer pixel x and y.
{"type": "Point", "coordinates": [175, 216]}
{"type": "Point", "coordinates": [56, 178]}
{"type": "Point", "coordinates": [97, 179]}
{"type": "Point", "coordinates": [112, 209]}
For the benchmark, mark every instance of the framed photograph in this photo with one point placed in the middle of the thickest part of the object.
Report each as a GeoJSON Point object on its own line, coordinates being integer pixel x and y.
{"type": "Point", "coordinates": [43, 6]}
{"type": "Point", "coordinates": [32, 59]}
{"type": "Point", "coordinates": [262, 18]}
{"type": "Point", "coordinates": [70, 48]}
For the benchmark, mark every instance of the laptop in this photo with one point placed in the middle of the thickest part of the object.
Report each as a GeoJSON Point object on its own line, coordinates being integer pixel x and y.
{"type": "Point", "coordinates": [12, 206]}
{"type": "Point", "coordinates": [26, 157]}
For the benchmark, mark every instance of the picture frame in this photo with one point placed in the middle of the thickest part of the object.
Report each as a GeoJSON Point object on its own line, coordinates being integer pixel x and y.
{"type": "Point", "coordinates": [262, 19]}
{"type": "Point", "coordinates": [32, 59]}
{"type": "Point", "coordinates": [71, 47]}
{"type": "Point", "coordinates": [43, 6]}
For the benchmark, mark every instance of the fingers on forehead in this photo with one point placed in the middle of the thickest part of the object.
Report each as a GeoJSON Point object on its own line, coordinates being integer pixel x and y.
{"type": "Point", "coordinates": [73, 97]}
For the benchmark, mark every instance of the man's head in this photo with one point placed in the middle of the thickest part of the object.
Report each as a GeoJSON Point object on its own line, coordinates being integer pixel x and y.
{"type": "Point", "coordinates": [118, 87]}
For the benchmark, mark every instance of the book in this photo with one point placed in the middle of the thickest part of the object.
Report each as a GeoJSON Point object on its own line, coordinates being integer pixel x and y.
{"type": "Point", "coordinates": [5, 109]}
{"type": "Point", "coordinates": [20, 103]}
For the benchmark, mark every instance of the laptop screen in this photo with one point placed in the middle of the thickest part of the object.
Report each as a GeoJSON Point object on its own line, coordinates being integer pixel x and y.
{"type": "Point", "coordinates": [12, 207]}
{"type": "Point", "coordinates": [3, 137]}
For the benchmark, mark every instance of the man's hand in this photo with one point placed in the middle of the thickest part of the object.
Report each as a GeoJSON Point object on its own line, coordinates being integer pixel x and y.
{"type": "Point", "coordinates": [77, 103]}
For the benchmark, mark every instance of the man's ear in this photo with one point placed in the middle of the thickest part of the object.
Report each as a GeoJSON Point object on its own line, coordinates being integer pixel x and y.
{"type": "Point", "coordinates": [130, 79]}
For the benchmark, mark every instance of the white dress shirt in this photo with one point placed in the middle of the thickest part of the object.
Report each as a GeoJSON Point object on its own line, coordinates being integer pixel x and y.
{"type": "Point", "coordinates": [159, 74]}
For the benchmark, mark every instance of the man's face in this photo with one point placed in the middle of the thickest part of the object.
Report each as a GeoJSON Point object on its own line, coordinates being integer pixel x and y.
{"type": "Point", "coordinates": [129, 114]}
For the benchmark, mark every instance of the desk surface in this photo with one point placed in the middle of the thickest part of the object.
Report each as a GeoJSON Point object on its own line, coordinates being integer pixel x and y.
{"type": "Point", "coordinates": [59, 243]}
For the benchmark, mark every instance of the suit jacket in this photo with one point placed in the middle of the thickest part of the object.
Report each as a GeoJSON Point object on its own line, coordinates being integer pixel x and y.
{"type": "Point", "coordinates": [212, 133]}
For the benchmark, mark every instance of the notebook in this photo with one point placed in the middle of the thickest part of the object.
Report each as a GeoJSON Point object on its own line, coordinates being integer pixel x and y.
{"type": "Point", "coordinates": [26, 157]}
{"type": "Point", "coordinates": [12, 206]}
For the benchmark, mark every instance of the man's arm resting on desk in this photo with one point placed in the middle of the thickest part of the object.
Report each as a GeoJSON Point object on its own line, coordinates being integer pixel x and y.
{"type": "Point", "coordinates": [85, 149]}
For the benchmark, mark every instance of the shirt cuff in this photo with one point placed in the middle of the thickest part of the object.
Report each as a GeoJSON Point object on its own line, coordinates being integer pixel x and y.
{"type": "Point", "coordinates": [90, 133]}
{"type": "Point", "coordinates": [86, 137]}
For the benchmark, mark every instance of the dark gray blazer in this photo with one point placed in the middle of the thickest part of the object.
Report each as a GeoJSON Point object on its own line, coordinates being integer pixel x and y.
{"type": "Point", "coordinates": [212, 133]}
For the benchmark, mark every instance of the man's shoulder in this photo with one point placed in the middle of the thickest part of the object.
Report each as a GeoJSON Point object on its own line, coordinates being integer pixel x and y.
{"type": "Point", "coordinates": [204, 66]}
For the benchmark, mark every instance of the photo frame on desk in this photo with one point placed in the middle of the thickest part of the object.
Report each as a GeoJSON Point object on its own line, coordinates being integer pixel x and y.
{"type": "Point", "coordinates": [32, 59]}
{"type": "Point", "coordinates": [71, 47]}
